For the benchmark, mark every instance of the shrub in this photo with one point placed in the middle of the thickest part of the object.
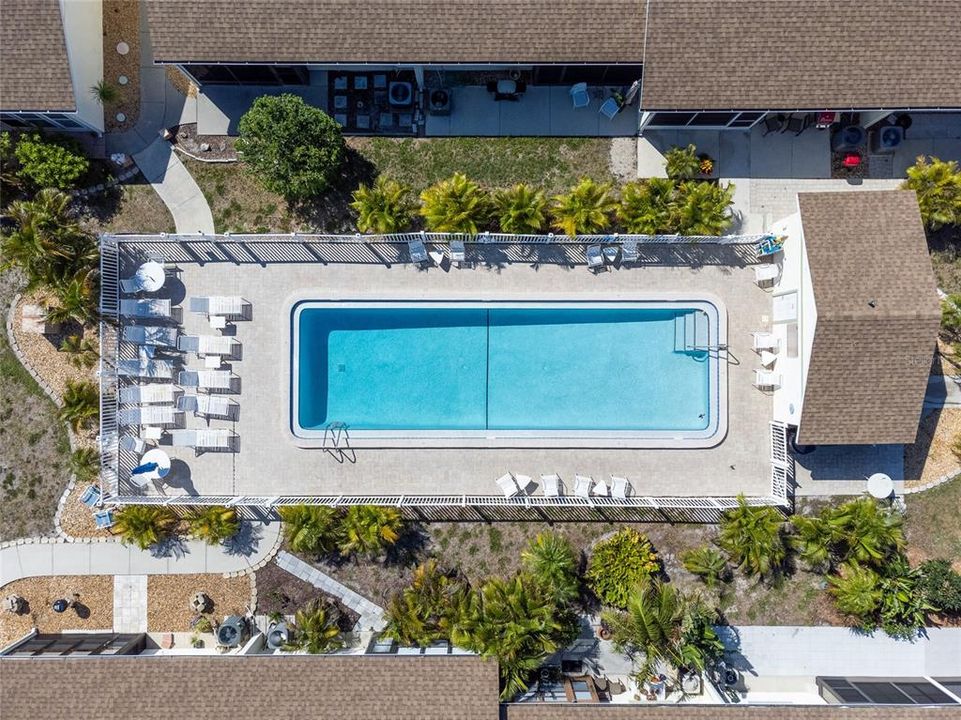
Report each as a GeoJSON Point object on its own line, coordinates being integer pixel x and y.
{"type": "Point", "coordinates": [104, 92]}
{"type": "Point", "coordinates": [856, 593]}
{"type": "Point", "coordinates": [215, 524]}
{"type": "Point", "coordinates": [81, 405]}
{"type": "Point", "coordinates": [309, 528]}
{"type": "Point", "coordinates": [293, 148]}
{"type": "Point", "coordinates": [707, 563]}
{"type": "Point", "coordinates": [550, 561]}
{"type": "Point", "coordinates": [85, 464]}
{"type": "Point", "coordinates": [951, 316]}
{"type": "Point", "coordinates": [424, 612]}
{"type": "Point", "coordinates": [864, 531]}
{"type": "Point", "coordinates": [704, 208]}
{"type": "Point", "coordinates": [618, 564]}
{"type": "Point", "coordinates": [82, 353]}
{"type": "Point", "coordinates": [455, 205]}
{"type": "Point", "coordinates": [648, 207]}
{"type": "Point", "coordinates": [316, 629]}
{"type": "Point", "coordinates": [585, 210]}
{"type": "Point", "coordinates": [50, 163]}
{"type": "Point", "coordinates": [752, 536]}
{"type": "Point", "coordinates": [904, 602]}
{"type": "Point", "coordinates": [385, 207]}
{"type": "Point", "coordinates": [942, 585]}
{"type": "Point", "coordinates": [77, 298]}
{"type": "Point", "coordinates": [938, 185]}
{"type": "Point", "coordinates": [682, 163]}
{"type": "Point", "coordinates": [369, 529]}
{"type": "Point", "coordinates": [144, 525]}
{"type": "Point", "coordinates": [521, 209]}
{"type": "Point", "coordinates": [812, 541]}
{"type": "Point", "coordinates": [8, 161]}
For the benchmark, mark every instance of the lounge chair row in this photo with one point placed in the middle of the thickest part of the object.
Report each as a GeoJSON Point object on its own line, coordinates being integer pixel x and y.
{"type": "Point", "coordinates": [512, 484]}
{"type": "Point", "coordinates": [766, 345]}
{"type": "Point", "coordinates": [169, 337]}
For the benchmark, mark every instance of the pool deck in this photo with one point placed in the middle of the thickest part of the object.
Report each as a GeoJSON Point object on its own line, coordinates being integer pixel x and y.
{"type": "Point", "coordinates": [269, 463]}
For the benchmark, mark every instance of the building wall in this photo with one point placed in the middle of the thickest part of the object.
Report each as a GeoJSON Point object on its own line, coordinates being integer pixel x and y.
{"type": "Point", "coordinates": [83, 30]}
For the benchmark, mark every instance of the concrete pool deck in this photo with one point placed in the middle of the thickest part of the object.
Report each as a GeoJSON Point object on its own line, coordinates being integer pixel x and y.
{"type": "Point", "coordinates": [269, 463]}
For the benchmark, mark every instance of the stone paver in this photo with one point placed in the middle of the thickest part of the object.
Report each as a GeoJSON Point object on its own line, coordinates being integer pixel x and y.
{"type": "Point", "coordinates": [371, 615]}
{"type": "Point", "coordinates": [130, 603]}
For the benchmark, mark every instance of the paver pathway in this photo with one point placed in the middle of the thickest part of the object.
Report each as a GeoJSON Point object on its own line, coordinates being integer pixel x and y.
{"type": "Point", "coordinates": [130, 603]}
{"type": "Point", "coordinates": [59, 557]}
{"type": "Point", "coordinates": [371, 615]}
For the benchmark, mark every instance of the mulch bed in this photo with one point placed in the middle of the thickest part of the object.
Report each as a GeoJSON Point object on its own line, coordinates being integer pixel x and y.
{"type": "Point", "coordinates": [168, 599]}
{"type": "Point", "coordinates": [280, 592]}
{"type": "Point", "coordinates": [203, 147]}
{"type": "Point", "coordinates": [121, 23]}
{"type": "Point", "coordinates": [95, 611]}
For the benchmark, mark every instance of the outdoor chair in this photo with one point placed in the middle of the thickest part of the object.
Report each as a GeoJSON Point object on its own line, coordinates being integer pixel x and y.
{"type": "Point", "coordinates": [766, 380]}
{"type": "Point", "coordinates": [583, 485]}
{"type": "Point", "coordinates": [150, 308]}
{"type": "Point", "coordinates": [764, 341]}
{"type": "Point", "coordinates": [508, 485]}
{"type": "Point", "coordinates": [773, 123]}
{"type": "Point", "coordinates": [579, 95]}
{"type": "Point", "coordinates": [798, 124]}
{"type": "Point", "coordinates": [208, 344]}
{"type": "Point", "coordinates": [610, 108]}
{"type": "Point", "coordinates": [524, 482]}
{"type": "Point", "coordinates": [418, 251]}
{"type": "Point", "coordinates": [204, 439]}
{"type": "Point", "coordinates": [133, 444]}
{"type": "Point", "coordinates": [228, 306]}
{"type": "Point", "coordinates": [458, 253]}
{"type": "Point", "coordinates": [766, 274]}
{"type": "Point", "coordinates": [104, 519]}
{"type": "Point", "coordinates": [208, 379]}
{"type": "Point", "coordinates": [551, 485]}
{"type": "Point", "coordinates": [130, 286]}
{"type": "Point", "coordinates": [619, 487]}
{"type": "Point", "coordinates": [146, 368]}
{"type": "Point", "coordinates": [629, 252]}
{"type": "Point", "coordinates": [143, 335]}
{"type": "Point", "coordinates": [149, 415]}
{"type": "Point", "coordinates": [595, 258]}
{"type": "Point", "coordinates": [206, 405]}
{"type": "Point", "coordinates": [91, 496]}
{"type": "Point", "coordinates": [147, 394]}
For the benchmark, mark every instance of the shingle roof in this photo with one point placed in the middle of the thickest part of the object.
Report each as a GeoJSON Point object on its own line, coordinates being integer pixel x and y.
{"type": "Point", "coordinates": [34, 71]}
{"type": "Point", "coordinates": [807, 55]}
{"type": "Point", "coordinates": [250, 688]}
{"type": "Point", "coordinates": [869, 365]}
{"type": "Point", "coordinates": [456, 31]}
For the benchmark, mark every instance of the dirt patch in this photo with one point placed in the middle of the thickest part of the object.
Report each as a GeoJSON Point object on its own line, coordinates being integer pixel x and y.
{"type": "Point", "coordinates": [94, 611]}
{"type": "Point", "coordinates": [183, 84]}
{"type": "Point", "coordinates": [168, 599]}
{"type": "Point", "coordinates": [76, 519]}
{"type": "Point", "coordinates": [121, 23]}
{"type": "Point", "coordinates": [204, 147]}
{"type": "Point", "coordinates": [624, 159]}
{"type": "Point", "coordinates": [280, 592]}
{"type": "Point", "coordinates": [932, 454]}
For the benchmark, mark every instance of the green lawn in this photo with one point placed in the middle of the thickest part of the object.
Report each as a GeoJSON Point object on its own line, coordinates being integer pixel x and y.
{"type": "Point", "coordinates": [933, 525]}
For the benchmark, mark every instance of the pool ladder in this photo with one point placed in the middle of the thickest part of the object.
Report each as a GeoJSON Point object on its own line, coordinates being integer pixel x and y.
{"type": "Point", "coordinates": [334, 433]}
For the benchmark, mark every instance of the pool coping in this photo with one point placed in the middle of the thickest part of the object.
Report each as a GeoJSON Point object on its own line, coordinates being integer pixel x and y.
{"type": "Point", "coordinates": [712, 436]}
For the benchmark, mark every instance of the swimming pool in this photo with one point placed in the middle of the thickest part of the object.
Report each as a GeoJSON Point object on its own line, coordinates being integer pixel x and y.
{"type": "Point", "coordinates": [499, 371]}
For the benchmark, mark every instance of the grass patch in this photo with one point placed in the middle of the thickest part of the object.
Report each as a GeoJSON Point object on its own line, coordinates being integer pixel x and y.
{"type": "Point", "coordinates": [128, 208]}
{"type": "Point", "coordinates": [933, 523]}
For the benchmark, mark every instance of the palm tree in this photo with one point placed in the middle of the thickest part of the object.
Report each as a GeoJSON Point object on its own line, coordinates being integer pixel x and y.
{"type": "Point", "coordinates": [455, 205]}
{"type": "Point", "coordinates": [104, 92]}
{"type": "Point", "coordinates": [904, 602]}
{"type": "Point", "coordinates": [369, 529]}
{"type": "Point", "coordinates": [856, 593]}
{"type": "Point", "coordinates": [214, 524]}
{"type": "Point", "coordinates": [682, 163]}
{"type": "Point", "coordinates": [521, 209]}
{"type": "Point", "coordinates": [585, 210]}
{"type": "Point", "coordinates": [550, 561]}
{"type": "Point", "coordinates": [309, 528]}
{"type": "Point", "coordinates": [144, 525]}
{"type": "Point", "coordinates": [707, 563]}
{"type": "Point", "coordinates": [865, 532]}
{"type": "Point", "coordinates": [82, 353]}
{"type": "Point", "coordinates": [316, 630]}
{"type": "Point", "coordinates": [938, 185]}
{"type": "Point", "coordinates": [668, 627]}
{"type": "Point", "coordinates": [648, 206]}
{"type": "Point", "coordinates": [704, 208]}
{"type": "Point", "coordinates": [85, 464]}
{"type": "Point", "coordinates": [77, 301]}
{"type": "Point", "coordinates": [384, 208]}
{"type": "Point", "coordinates": [515, 622]}
{"type": "Point", "coordinates": [423, 612]}
{"type": "Point", "coordinates": [753, 537]}
{"type": "Point", "coordinates": [81, 404]}
{"type": "Point", "coordinates": [812, 541]}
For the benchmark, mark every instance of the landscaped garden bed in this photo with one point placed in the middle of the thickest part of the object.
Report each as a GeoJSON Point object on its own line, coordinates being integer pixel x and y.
{"type": "Point", "coordinates": [94, 610]}
{"type": "Point", "coordinates": [933, 454]}
{"type": "Point", "coordinates": [168, 599]}
{"type": "Point", "coordinates": [279, 592]}
{"type": "Point", "coordinates": [121, 24]}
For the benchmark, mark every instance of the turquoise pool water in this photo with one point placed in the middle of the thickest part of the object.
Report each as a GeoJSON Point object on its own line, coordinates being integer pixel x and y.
{"type": "Point", "coordinates": [468, 368]}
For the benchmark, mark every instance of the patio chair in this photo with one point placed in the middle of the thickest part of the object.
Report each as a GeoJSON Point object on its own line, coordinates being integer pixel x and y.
{"type": "Point", "coordinates": [133, 444]}
{"type": "Point", "coordinates": [610, 108]}
{"type": "Point", "coordinates": [508, 485]}
{"type": "Point", "coordinates": [104, 519]}
{"type": "Point", "coordinates": [149, 415]}
{"type": "Point", "coordinates": [773, 123]}
{"type": "Point", "coordinates": [458, 253]}
{"type": "Point", "coordinates": [204, 438]}
{"type": "Point", "coordinates": [551, 485]}
{"type": "Point", "coordinates": [229, 306]}
{"type": "Point", "coordinates": [798, 124]}
{"type": "Point", "coordinates": [130, 286]}
{"type": "Point", "coordinates": [764, 341]}
{"type": "Point", "coordinates": [579, 95]}
{"type": "Point", "coordinates": [418, 251]}
{"type": "Point", "coordinates": [146, 368]}
{"type": "Point", "coordinates": [208, 344]}
{"type": "Point", "coordinates": [91, 496]}
{"type": "Point", "coordinates": [147, 394]}
{"type": "Point", "coordinates": [208, 379]}
{"type": "Point", "coordinates": [619, 487]}
{"type": "Point", "coordinates": [152, 336]}
{"type": "Point", "coordinates": [206, 405]}
{"type": "Point", "coordinates": [583, 485]}
{"type": "Point", "coordinates": [629, 252]}
{"type": "Point", "coordinates": [524, 482]}
{"type": "Point", "coordinates": [766, 380]}
{"type": "Point", "coordinates": [149, 308]}
{"type": "Point", "coordinates": [595, 258]}
{"type": "Point", "coordinates": [766, 274]}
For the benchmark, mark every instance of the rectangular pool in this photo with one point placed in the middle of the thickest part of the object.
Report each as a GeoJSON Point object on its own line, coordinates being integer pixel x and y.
{"type": "Point", "coordinates": [503, 368]}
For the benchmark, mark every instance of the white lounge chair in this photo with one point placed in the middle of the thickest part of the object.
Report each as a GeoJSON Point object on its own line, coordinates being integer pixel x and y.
{"type": "Point", "coordinates": [583, 485]}
{"type": "Point", "coordinates": [146, 368]}
{"type": "Point", "coordinates": [148, 308]}
{"type": "Point", "coordinates": [149, 415]}
{"type": "Point", "coordinates": [418, 251]}
{"type": "Point", "coordinates": [204, 438]}
{"type": "Point", "coordinates": [208, 344]}
{"type": "Point", "coordinates": [629, 251]}
{"type": "Point", "coordinates": [551, 485]}
{"type": "Point", "coordinates": [579, 96]}
{"type": "Point", "coordinates": [458, 252]}
{"type": "Point", "coordinates": [146, 394]}
{"type": "Point", "coordinates": [766, 274]}
{"type": "Point", "coordinates": [765, 380]}
{"type": "Point", "coordinates": [206, 405]}
{"type": "Point", "coordinates": [508, 485]}
{"type": "Point", "coordinates": [619, 487]}
{"type": "Point", "coordinates": [158, 336]}
{"type": "Point", "coordinates": [133, 444]}
{"type": "Point", "coordinates": [595, 258]}
{"type": "Point", "coordinates": [208, 379]}
{"type": "Point", "coordinates": [524, 482]}
{"type": "Point", "coordinates": [230, 306]}
{"type": "Point", "coordinates": [130, 286]}
{"type": "Point", "coordinates": [765, 341]}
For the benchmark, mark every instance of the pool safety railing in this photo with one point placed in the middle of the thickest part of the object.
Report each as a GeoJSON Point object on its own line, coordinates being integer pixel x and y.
{"type": "Point", "coordinates": [108, 440]}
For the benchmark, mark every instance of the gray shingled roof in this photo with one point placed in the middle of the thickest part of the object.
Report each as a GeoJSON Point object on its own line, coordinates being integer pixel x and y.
{"type": "Point", "coordinates": [254, 687]}
{"type": "Point", "coordinates": [389, 31]}
{"type": "Point", "coordinates": [34, 71]}
{"type": "Point", "coordinates": [869, 365]}
{"type": "Point", "coordinates": [808, 54]}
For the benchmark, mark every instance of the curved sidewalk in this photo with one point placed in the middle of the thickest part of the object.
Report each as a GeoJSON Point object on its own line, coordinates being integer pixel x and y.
{"type": "Point", "coordinates": [176, 187]}
{"type": "Point", "coordinates": [58, 557]}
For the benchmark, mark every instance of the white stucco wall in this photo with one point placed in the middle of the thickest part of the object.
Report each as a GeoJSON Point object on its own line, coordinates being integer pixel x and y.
{"type": "Point", "coordinates": [83, 31]}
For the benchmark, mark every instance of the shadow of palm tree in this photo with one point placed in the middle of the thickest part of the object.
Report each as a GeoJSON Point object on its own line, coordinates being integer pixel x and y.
{"type": "Point", "coordinates": [246, 541]}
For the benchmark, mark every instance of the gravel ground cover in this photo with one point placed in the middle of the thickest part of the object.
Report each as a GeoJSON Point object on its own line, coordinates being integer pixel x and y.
{"type": "Point", "coordinates": [77, 519]}
{"type": "Point", "coordinates": [168, 599]}
{"type": "Point", "coordinates": [121, 23]}
{"type": "Point", "coordinates": [95, 611]}
{"type": "Point", "coordinates": [932, 454]}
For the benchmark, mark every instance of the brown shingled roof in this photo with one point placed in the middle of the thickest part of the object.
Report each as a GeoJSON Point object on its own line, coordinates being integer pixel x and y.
{"type": "Point", "coordinates": [807, 55]}
{"type": "Point", "coordinates": [34, 71]}
{"type": "Point", "coordinates": [254, 687]}
{"type": "Point", "coordinates": [390, 31]}
{"type": "Point", "coordinates": [869, 365]}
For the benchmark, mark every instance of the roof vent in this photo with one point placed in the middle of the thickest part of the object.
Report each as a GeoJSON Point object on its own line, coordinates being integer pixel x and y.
{"type": "Point", "coordinates": [873, 303]}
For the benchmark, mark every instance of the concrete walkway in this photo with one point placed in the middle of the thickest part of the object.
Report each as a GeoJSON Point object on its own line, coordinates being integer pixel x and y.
{"type": "Point", "coordinates": [371, 615]}
{"type": "Point", "coordinates": [176, 187]}
{"type": "Point", "coordinates": [33, 559]}
{"type": "Point", "coordinates": [943, 391]}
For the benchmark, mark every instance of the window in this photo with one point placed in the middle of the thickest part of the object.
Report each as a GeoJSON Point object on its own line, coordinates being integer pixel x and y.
{"type": "Point", "coordinates": [746, 119]}
{"type": "Point", "coordinates": [671, 119]}
{"type": "Point", "coordinates": [909, 691]}
{"type": "Point", "coordinates": [923, 693]}
{"type": "Point", "coordinates": [591, 74]}
{"type": "Point", "coordinates": [713, 119]}
{"type": "Point", "coordinates": [731, 119]}
{"type": "Point", "coordinates": [249, 74]}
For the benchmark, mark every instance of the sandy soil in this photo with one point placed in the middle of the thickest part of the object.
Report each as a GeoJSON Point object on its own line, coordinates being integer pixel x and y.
{"type": "Point", "coordinates": [95, 611]}
{"type": "Point", "coordinates": [932, 455]}
{"type": "Point", "coordinates": [77, 519]}
{"type": "Point", "coordinates": [168, 599]}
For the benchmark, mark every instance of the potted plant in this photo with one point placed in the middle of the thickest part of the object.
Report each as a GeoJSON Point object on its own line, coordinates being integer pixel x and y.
{"type": "Point", "coordinates": [705, 164]}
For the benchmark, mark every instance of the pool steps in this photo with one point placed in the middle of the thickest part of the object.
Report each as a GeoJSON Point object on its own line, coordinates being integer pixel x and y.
{"type": "Point", "coordinates": [691, 331]}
